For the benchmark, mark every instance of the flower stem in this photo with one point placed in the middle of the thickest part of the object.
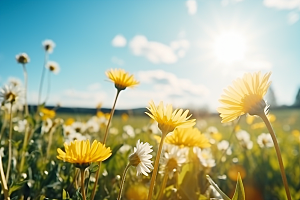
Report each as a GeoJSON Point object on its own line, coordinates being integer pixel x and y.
{"type": "Point", "coordinates": [50, 141]}
{"type": "Point", "coordinates": [3, 125]}
{"type": "Point", "coordinates": [103, 142]}
{"type": "Point", "coordinates": [25, 92]}
{"type": "Point", "coordinates": [42, 79]}
{"type": "Point", "coordinates": [163, 185]}
{"type": "Point", "coordinates": [154, 173]}
{"type": "Point", "coordinates": [24, 147]}
{"type": "Point", "coordinates": [82, 183]}
{"type": "Point", "coordinates": [123, 181]}
{"type": "Point", "coordinates": [49, 85]}
{"type": "Point", "coordinates": [9, 143]}
{"type": "Point", "coordinates": [283, 176]}
{"type": "Point", "coordinates": [3, 181]}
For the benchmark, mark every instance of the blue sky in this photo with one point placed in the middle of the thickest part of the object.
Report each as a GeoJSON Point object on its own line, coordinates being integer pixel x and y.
{"type": "Point", "coordinates": [182, 52]}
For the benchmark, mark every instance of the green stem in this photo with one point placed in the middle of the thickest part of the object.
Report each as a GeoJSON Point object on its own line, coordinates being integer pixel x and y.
{"type": "Point", "coordinates": [25, 92]}
{"type": "Point", "coordinates": [42, 78]}
{"type": "Point", "coordinates": [104, 141]}
{"type": "Point", "coordinates": [49, 85]}
{"type": "Point", "coordinates": [163, 185]}
{"type": "Point", "coordinates": [50, 141]}
{"type": "Point", "coordinates": [123, 181]}
{"type": "Point", "coordinates": [82, 184]}
{"type": "Point", "coordinates": [154, 173]}
{"type": "Point", "coordinates": [3, 126]}
{"type": "Point", "coordinates": [24, 148]}
{"type": "Point", "coordinates": [283, 176]}
{"type": "Point", "coordinates": [3, 181]}
{"type": "Point", "coordinates": [9, 143]}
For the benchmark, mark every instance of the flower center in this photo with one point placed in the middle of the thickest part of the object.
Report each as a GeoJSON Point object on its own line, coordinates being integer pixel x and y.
{"type": "Point", "coordinates": [134, 160]}
{"type": "Point", "coordinates": [11, 97]}
{"type": "Point", "coordinates": [172, 164]}
{"type": "Point", "coordinates": [52, 68]}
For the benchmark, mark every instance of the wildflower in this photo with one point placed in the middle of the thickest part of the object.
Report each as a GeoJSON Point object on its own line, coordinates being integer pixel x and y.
{"type": "Point", "coordinates": [53, 67]}
{"type": "Point", "coordinates": [188, 137]}
{"type": "Point", "coordinates": [129, 131]}
{"type": "Point", "coordinates": [69, 121]}
{"type": "Point", "coordinates": [14, 82]}
{"type": "Point", "coordinates": [21, 126]}
{"type": "Point", "coordinates": [68, 130]}
{"type": "Point", "coordinates": [10, 94]}
{"type": "Point", "coordinates": [48, 45]}
{"type": "Point", "coordinates": [47, 125]}
{"type": "Point", "coordinates": [47, 113]}
{"type": "Point", "coordinates": [141, 158]}
{"type": "Point", "coordinates": [79, 127]}
{"type": "Point", "coordinates": [124, 117]}
{"type": "Point", "coordinates": [173, 159]}
{"type": "Point", "coordinates": [205, 157]}
{"type": "Point", "coordinates": [82, 154]}
{"type": "Point", "coordinates": [121, 79]}
{"type": "Point", "coordinates": [265, 140]}
{"type": "Point", "coordinates": [75, 136]}
{"type": "Point", "coordinates": [244, 139]}
{"type": "Point", "coordinates": [246, 96]}
{"type": "Point", "coordinates": [224, 146]}
{"type": "Point", "coordinates": [93, 125]}
{"type": "Point", "coordinates": [22, 58]}
{"type": "Point", "coordinates": [214, 134]}
{"type": "Point", "coordinates": [168, 119]}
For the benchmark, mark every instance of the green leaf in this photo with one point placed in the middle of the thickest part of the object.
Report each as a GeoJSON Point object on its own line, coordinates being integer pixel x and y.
{"type": "Point", "coordinates": [217, 188]}
{"type": "Point", "coordinates": [65, 194]}
{"type": "Point", "coordinates": [16, 186]}
{"type": "Point", "coordinates": [239, 193]}
{"type": "Point", "coordinates": [42, 197]}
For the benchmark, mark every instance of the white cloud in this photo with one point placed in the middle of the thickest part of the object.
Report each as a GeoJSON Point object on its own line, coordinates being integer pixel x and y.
{"type": "Point", "coordinates": [171, 85]}
{"type": "Point", "coordinates": [293, 17]}
{"type": "Point", "coordinates": [192, 6]}
{"type": "Point", "coordinates": [94, 87]}
{"type": "Point", "coordinates": [117, 61]}
{"type": "Point", "coordinates": [283, 4]}
{"type": "Point", "coordinates": [119, 41]}
{"type": "Point", "coordinates": [157, 52]}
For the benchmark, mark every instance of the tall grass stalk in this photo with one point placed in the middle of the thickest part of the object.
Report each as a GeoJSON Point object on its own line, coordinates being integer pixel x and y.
{"type": "Point", "coordinates": [123, 181]}
{"type": "Point", "coordinates": [155, 169]}
{"type": "Point", "coordinates": [163, 185]}
{"type": "Point", "coordinates": [42, 79]}
{"type": "Point", "coordinates": [9, 143]}
{"type": "Point", "coordinates": [82, 183]}
{"type": "Point", "coordinates": [25, 92]}
{"type": "Point", "coordinates": [3, 181]}
{"type": "Point", "coordinates": [104, 141]}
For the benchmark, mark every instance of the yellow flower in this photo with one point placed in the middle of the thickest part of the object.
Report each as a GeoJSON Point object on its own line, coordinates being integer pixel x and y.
{"type": "Point", "coordinates": [168, 119]}
{"type": "Point", "coordinates": [124, 117]}
{"type": "Point", "coordinates": [245, 96]}
{"type": "Point", "coordinates": [82, 154]}
{"type": "Point", "coordinates": [121, 78]}
{"type": "Point", "coordinates": [69, 121]}
{"type": "Point", "coordinates": [46, 113]}
{"type": "Point", "coordinates": [188, 137]}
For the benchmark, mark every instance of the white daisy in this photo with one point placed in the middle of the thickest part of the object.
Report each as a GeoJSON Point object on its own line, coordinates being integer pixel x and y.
{"type": "Point", "coordinates": [21, 126]}
{"type": "Point", "coordinates": [53, 67]}
{"type": "Point", "coordinates": [79, 127]}
{"type": "Point", "coordinates": [93, 125]}
{"type": "Point", "coordinates": [129, 130]}
{"type": "Point", "coordinates": [205, 157]}
{"type": "Point", "coordinates": [224, 146]}
{"type": "Point", "coordinates": [141, 158]}
{"type": "Point", "coordinates": [48, 45]}
{"type": "Point", "coordinates": [22, 58]}
{"type": "Point", "coordinates": [10, 94]}
{"type": "Point", "coordinates": [47, 125]}
{"type": "Point", "coordinates": [244, 139]}
{"type": "Point", "coordinates": [264, 140]}
{"type": "Point", "coordinates": [172, 159]}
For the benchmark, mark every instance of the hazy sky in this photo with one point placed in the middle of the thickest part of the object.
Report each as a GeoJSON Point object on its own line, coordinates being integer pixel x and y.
{"type": "Point", "coordinates": [182, 52]}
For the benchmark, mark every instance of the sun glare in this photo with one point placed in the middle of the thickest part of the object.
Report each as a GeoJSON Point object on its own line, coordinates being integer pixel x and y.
{"type": "Point", "coordinates": [230, 47]}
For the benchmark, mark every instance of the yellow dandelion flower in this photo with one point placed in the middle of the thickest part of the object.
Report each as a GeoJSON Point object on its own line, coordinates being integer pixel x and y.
{"type": "Point", "coordinates": [69, 121]}
{"type": "Point", "coordinates": [82, 154]}
{"type": "Point", "coordinates": [121, 78]}
{"type": "Point", "coordinates": [168, 119]}
{"type": "Point", "coordinates": [188, 137]}
{"type": "Point", "coordinates": [46, 113]}
{"type": "Point", "coordinates": [124, 117]}
{"type": "Point", "coordinates": [245, 96]}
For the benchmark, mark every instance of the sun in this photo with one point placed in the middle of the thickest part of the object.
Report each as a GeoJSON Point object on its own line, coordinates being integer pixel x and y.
{"type": "Point", "coordinates": [230, 47]}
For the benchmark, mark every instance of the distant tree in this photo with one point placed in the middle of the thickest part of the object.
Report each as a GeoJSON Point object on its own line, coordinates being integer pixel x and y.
{"type": "Point", "coordinates": [297, 99]}
{"type": "Point", "coordinates": [271, 98]}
